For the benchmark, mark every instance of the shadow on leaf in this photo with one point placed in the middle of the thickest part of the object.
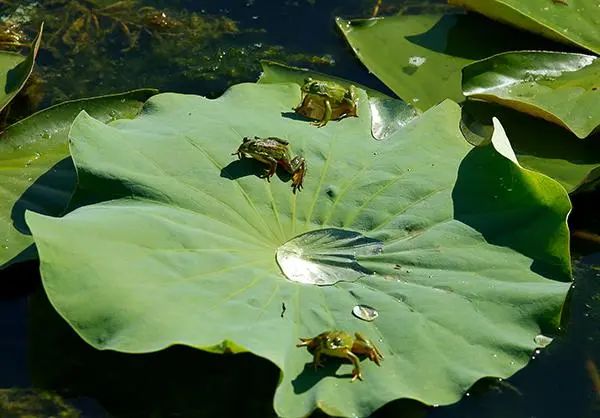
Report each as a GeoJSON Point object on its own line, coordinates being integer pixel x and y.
{"type": "Point", "coordinates": [309, 376]}
{"type": "Point", "coordinates": [48, 195]}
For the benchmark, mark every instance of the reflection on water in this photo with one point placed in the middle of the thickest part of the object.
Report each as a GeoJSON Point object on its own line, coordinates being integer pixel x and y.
{"type": "Point", "coordinates": [96, 47]}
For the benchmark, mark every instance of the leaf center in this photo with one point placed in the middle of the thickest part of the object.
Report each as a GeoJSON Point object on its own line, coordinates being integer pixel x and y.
{"type": "Point", "coordinates": [326, 256]}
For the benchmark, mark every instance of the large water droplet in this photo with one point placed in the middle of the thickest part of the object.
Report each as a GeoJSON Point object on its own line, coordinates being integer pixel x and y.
{"type": "Point", "coordinates": [365, 312]}
{"type": "Point", "coordinates": [326, 256]}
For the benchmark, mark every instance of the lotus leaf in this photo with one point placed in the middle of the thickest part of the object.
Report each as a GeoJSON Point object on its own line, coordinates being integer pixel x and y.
{"type": "Point", "coordinates": [559, 87]}
{"type": "Point", "coordinates": [469, 262]}
{"type": "Point", "coordinates": [538, 145]}
{"type": "Point", "coordinates": [419, 57]}
{"type": "Point", "coordinates": [35, 171]}
{"type": "Point", "coordinates": [572, 21]}
{"type": "Point", "coordinates": [15, 69]}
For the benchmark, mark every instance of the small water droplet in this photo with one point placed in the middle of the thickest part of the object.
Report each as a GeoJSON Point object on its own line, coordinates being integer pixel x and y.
{"type": "Point", "coordinates": [495, 355]}
{"type": "Point", "coordinates": [29, 178]}
{"type": "Point", "coordinates": [45, 134]}
{"type": "Point", "coordinates": [537, 352]}
{"type": "Point", "coordinates": [416, 61]}
{"type": "Point", "coordinates": [365, 312]}
{"type": "Point", "coordinates": [467, 394]}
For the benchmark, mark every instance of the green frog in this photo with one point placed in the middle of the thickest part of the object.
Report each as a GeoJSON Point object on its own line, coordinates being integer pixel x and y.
{"type": "Point", "coordinates": [344, 345]}
{"type": "Point", "coordinates": [327, 100]}
{"type": "Point", "coordinates": [274, 151]}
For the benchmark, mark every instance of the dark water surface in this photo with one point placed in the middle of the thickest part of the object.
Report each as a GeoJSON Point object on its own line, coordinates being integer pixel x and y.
{"type": "Point", "coordinates": [219, 44]}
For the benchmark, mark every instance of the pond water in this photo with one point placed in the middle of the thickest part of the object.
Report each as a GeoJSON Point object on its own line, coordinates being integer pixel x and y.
{"type": "Point", "coordinates": [217, 44]}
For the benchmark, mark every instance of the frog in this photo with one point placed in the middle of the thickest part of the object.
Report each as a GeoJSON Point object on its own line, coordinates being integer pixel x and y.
{"type": "Point", "coordinates": [342, 344]}
{"type": "Point", "coordinates": [327, 100]}
{"type": "Point", "coordinates": [274, 151]}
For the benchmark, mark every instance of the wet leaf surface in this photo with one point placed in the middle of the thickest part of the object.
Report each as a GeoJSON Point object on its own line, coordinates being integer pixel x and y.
{"type": "Point", "coordinates": [560, 87]}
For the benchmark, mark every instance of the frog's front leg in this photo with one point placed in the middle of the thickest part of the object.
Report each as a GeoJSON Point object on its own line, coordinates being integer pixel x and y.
{"type": "Point", "coordinates": [355, 361]}
{"type": "Point", "coordinates": [272, 162]}
{"type": "Point", "coordinates": [271, 170]}
{"type": "Point", "coordinates": [326, 115]}
{"type": "Point", "coordinates": [317, 359]}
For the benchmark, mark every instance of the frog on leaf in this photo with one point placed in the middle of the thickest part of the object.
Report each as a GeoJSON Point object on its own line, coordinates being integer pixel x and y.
{"type": "Point", "coordinates": [327, 100]}
{"type": "Point", "coordinates": [343, 345]}
{"type": "Point", "coordinates": [274, 151]}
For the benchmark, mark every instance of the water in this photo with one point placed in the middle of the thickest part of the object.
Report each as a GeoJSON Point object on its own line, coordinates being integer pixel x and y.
{"type": "Point", "coordinates": [38, 349]}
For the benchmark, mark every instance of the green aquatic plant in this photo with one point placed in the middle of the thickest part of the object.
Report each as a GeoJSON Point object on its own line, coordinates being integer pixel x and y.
{"type": "Point", "coordinates": [98, 45]}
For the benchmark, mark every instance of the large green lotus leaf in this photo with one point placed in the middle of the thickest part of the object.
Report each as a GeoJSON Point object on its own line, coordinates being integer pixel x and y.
{"type": "Point", "coordinates": [387, 114]}
{"type": "Point", "coordinates": [420, 57]}
{"type": "Point", "coordinates": [539, 145]}
{"type": "Point", "coordinates": [559, 87]}
{"type": "Point", "coordinates": [464, 270]}
{"type": "Point", "coordinates": [572, 21]}
{"type": "Point", "coordinates": [15, 69]}
{"type": "Point", "coordinates": [35, 171]}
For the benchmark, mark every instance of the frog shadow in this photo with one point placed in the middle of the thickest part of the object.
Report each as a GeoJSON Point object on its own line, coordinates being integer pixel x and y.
{"type": "Point", "coordinates": [294, 116]}
{"type": "Point", "coordinates": [248, 167]}
{"type": "Point", "coordinates": [309, 376]}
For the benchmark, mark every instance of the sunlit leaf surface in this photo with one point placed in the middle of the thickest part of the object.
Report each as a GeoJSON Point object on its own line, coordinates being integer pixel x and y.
{"type": "Point", "coordinates": [559, 87]}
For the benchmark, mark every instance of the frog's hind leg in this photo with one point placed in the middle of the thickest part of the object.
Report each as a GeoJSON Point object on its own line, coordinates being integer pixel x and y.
{"type": "Point", "coordinates": [326, 115]}
{"type": "Point", "coordinates": [355, 361]}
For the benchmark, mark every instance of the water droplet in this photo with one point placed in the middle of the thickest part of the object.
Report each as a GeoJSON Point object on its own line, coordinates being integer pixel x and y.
{"type": "Point", "coordinates": [365, 312]}
{"type": "Point", "coordinates": [467, 394]}
{"type": "Point", "coordinates": [537, 352]}
{"type": "Point", "coordinates": [542, 340]}
{"type": "Point", "coordinates": [416, 61]}
{"type": "Point", "coordinates": [326, 256]}
{"type": "Point", "coordinates": [45, 134]}
{"type": "Point", "coordinates": [29, 178]}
